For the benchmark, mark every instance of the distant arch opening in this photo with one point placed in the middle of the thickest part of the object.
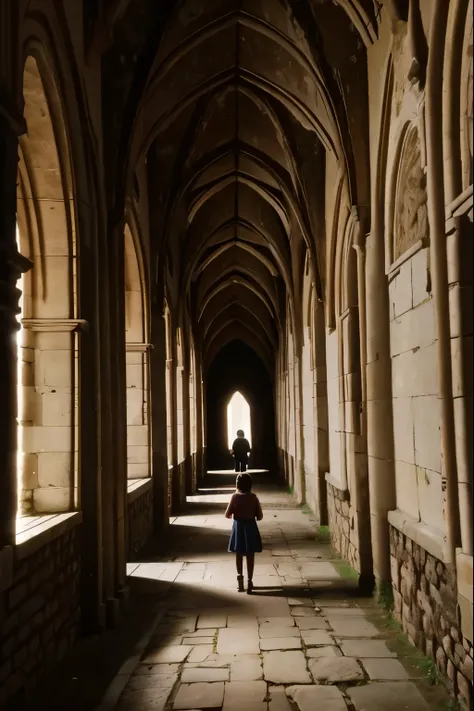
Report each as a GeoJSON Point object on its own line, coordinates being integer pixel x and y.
{"type": "Point", "coordinates": [238, 418]}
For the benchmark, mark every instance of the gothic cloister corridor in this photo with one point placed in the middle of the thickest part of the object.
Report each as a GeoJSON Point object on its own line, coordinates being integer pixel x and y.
{"type": "Point", "coordinates": [225, 215]}
{"type": "Point", "coordinates": [305, 621]}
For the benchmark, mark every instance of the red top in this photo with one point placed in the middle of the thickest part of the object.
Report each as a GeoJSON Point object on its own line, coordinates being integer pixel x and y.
{"type": "Point", "coordinates": [244, 506]}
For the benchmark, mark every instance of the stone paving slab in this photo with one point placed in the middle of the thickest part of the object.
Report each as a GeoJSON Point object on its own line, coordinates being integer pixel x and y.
{"type": "Point", "coordinates": [204, 674]}
{"type": "Point", "coordinates": [317, 652]}
{"type": "Point", "coordinates": [385, 669]}
{"type": "Point", "coordinates": [273, 631]}
{"type": "Point", "coordinates": [200, 653]}
{"type": "Point", "coordinates": [314, 698]}
{"type": "Point", "coordinates": [200, 695]}
{"type": "Point", "coordinates": [168, 655]}
{"type": "Point", "coordinates": [353, 627]}
{"type": "Point", "coordinates": [286, 621]}
{"type": "Point", "coordinates": [247, 668]}
{"type": "Point", "coordinates": [336, 670]}
{"type": "Point", "coordinates": [365, 648]}
{"type": "Point", "coordinates": [312, 623]}
{"type": "Point", "coordinates": [285, 668]}
{"type": "Point", "coordinates": [282, 643]}
{"type": "Point", "coordinates": [219, 649]}
{"type": "Point", "coordinates": [278, 700]}
{"type": "Point", "coordinates": [316, 638]}
{"type": "Point", "coordinates": [388, 696]}
{"type": "Point", "coordinates": [211, 621]}
{"type": "Point", "coordinates": [238, 641]}
{"type": "Point", "coordinates": [245, 696]}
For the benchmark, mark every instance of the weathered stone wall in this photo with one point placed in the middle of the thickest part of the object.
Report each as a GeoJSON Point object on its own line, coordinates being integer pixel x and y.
{"type": "Point", "coordinates": [39, 613]}
{"type": "Point", "coordinates": [342, 536]}
{"type": "Point", "coordinates": [425, 599]}
{"type": "Point", "coordinates": [140, 521]}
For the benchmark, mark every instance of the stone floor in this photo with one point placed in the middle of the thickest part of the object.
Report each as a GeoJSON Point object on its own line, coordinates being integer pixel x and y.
{"type": "Point", "coordinates": [304, 640]}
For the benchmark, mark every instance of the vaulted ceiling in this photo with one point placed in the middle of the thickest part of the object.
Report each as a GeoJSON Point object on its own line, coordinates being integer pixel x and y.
{"type": "Point", "coordinates": [238, 105]}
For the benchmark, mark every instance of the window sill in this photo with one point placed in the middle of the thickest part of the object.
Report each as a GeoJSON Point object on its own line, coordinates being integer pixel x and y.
{"type": "Point", "coordinates": [34, 532]}
{"type": "Point", "coordinates": [137, 487]}
{"type": "Point", "coordinates": [433, 542]}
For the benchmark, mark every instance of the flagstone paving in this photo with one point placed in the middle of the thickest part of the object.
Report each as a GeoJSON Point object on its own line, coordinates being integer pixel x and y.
{"type": "Point", "coordinates": [304, 640]}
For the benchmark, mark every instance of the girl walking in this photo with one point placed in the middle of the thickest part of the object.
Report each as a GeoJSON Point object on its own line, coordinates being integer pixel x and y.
{"type": "Point", "coordinates": [245, 537]}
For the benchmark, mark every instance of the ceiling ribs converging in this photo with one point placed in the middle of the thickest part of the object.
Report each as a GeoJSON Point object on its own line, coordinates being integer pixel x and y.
{"type": "Point", "coordinates": [239, 110]}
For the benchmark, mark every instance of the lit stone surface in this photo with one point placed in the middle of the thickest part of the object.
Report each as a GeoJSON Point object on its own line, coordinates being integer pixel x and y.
{"type": "Point", "coordinates": [285, 668]}
{"type": "Point", "coordinates": [199, 695]}
{"type": "Point", "coordinates": [310, 698]}
{"type": "Point", "coordinates": [388, 696]}
{"type": "Point", "coordinates": [335, 670]}
{"type": "Point", "coordinates": [241, 695]}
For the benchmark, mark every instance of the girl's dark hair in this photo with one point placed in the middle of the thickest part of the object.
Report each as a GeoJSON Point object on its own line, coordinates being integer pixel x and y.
{"type": "Point", "coordinates": [244, 483]}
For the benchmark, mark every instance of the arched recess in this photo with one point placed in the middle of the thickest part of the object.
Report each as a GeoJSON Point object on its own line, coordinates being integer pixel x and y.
{"type": "Point", "coordinates": [48, 341]}
{"type": "Point", "coordinates": [356, 545]}
{"type": "Point", "coordinates": [315, 403]}
{"type": "Point", "coordinates": [137, 361]}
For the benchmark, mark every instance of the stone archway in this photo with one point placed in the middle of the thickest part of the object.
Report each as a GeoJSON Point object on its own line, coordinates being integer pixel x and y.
{"type": "Point", "coordinates": [49, 344]}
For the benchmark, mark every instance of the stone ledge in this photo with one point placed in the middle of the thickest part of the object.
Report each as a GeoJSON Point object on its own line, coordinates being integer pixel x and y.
{"type": "Point", "coordinates": [393, 269]}
{"type": "Point", "coordinates": [47, 529]}
{"type": "Point", "coordinates": [137, 487]}
{"type": "Point", "coordinates": [337, 484]}
{"type": "Point", "coordinates": [421, 534]}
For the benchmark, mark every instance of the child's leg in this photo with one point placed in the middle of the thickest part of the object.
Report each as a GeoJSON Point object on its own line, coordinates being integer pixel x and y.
{"type": "Point", "coordinates": [239, 562]}
{"type": "Point", "coordinates": [250, 565]}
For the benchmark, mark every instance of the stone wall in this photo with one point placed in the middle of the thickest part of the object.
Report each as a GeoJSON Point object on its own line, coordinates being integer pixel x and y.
{"type": "Point", "coordinates": [425, 599]}
{"type": "Point", "coordinates": [39, 613]}
{"type": "Point", "coordinates": [343, 536]}
{"type": "Point", "coordinates": [140, 520]}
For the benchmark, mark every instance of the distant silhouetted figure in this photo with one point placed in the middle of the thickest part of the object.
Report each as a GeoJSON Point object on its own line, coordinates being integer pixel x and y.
{"type": "Point", "coordinates": [241, 451]}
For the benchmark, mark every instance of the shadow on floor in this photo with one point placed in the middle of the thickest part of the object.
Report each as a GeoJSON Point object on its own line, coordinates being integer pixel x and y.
{"type": "Point", "coordinates": [80, 680]}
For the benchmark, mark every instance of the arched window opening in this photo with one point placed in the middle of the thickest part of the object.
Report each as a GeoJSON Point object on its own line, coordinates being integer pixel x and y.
{"type": "Point", "coordinates": [137, 365]}
{"type": "Point", "coordinates": [238, 418]}
{"type": "Point", "coordinates": [48, 340]}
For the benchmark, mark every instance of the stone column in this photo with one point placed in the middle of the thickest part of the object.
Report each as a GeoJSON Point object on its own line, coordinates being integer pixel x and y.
{"type": "Point", "coordinates": [12, 265]}
{"type": "Point", "coordinates": [158, 419]}
{"type": "Point", "coordinates": [119, 408]}
{"type": "Point", "coordinates": [380, 445]}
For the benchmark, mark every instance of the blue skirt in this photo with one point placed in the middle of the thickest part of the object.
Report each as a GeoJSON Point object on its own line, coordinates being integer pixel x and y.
{"type": "Point", "coordinates": [245, 537]}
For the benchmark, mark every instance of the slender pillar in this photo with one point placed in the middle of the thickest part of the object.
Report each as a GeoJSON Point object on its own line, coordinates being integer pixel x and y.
{"type": "Point", "coordinates": [439, 265]}
{"type": "Point", "coordinates": [119, 405]}
{"type": "Point", "coordinates": [158, 419]}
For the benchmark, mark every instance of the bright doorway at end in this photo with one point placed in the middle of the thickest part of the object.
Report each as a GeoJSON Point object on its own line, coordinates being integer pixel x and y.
{"type": "Point", "coordinates": [238, 418]}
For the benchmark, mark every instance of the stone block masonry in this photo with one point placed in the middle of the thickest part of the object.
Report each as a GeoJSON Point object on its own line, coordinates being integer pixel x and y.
{"type": "Point", "coordinates": [342, 535]}
{"type": "Point", "coordinates": [425, 598]}
{"type": "Point", "coordinates": [39, 614]}
{"type": "Point", "coordinates": [140, 521]}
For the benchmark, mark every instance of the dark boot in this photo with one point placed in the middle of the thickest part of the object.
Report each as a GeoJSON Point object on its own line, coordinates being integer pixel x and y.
{"type": "Point", "coordinates": [240, 583]}
{"type": "Point", "coordinates": [249, 587]}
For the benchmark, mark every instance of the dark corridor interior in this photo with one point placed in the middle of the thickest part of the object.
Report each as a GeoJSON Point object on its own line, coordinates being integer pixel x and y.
{"type": "Point", "coordinates": [238, 368]}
